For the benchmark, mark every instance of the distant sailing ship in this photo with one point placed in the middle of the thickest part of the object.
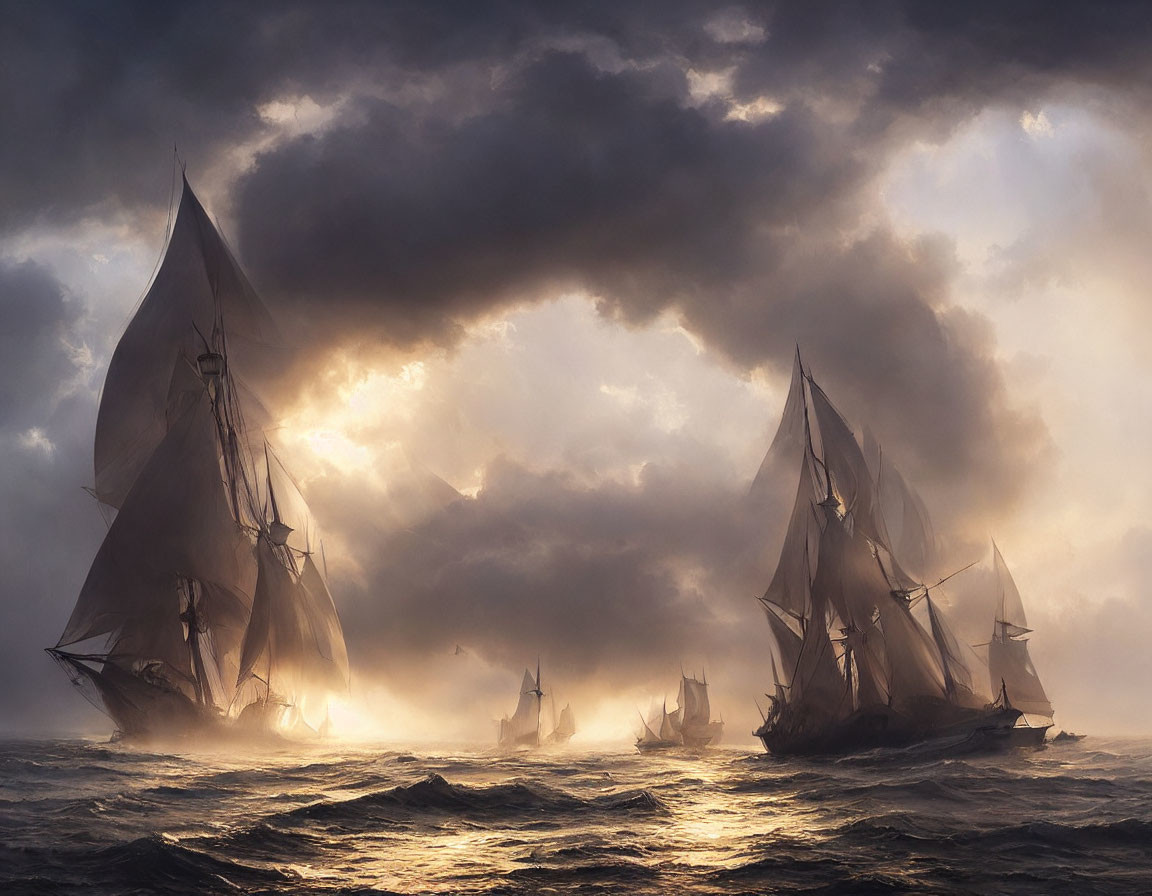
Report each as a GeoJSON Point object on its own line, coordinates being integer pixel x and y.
{"type": "Point", "coordinates": [689, 725]}
{"type": "Point", "coordinates": [1010, 668]}
{"type": "Point", "coordinates": [523, 728]}
{"type": "Point", "coordinates": [857, 669]}
{"type": "Point", "coordinates": [203, 610]}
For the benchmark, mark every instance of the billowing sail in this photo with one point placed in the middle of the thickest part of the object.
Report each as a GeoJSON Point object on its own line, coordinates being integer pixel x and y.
{"type": "Point", "coordinates": [817, 683]}
{"type": "Point", "coordinates": [174, 523]}
{"type": "Point", "coordinates": [865, 646]}
{"type": "Point", "coordinates": [288, 507]}
{"type": "Point", "coordinates": [197, 285]}
{"type": "Point", "coordinates": [905, 518]}
{"type": "Point", "coordinates": [844, 462]}
{"type": "Point", "coordinates": [1010, 666]}
{"type": "Point", "coordinates": [524, 725]}
{"type": "Point", "coordinates": [649, 730]}
{"type": "Point", "coordinates": [667, 727]}
{"type": "Point", "coordinates": [566, 727]}
{"type": "Point", "coordinates": [693, 702]}
{"type": "Point", "coordinates": [789, 586]}
{"type": "Point", "coordinates": [294, 641]}
{"type": "Point", "coordinates": [958, 681]}
{"type": "Point", "coordinates": [913, 663]}
{"type": "Point", "coordinates": [789, 444]}
{"type": "Point", "coordinates": [787, 644]}
{"type": "Point", "coordinates": [1009, 605]}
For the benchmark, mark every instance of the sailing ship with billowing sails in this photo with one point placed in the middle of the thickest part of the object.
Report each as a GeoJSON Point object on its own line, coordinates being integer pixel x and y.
{"type": "Point", "coordinates": [689, 725]}
{"type": "Point", "coordinates": [523, 728]}
{"type": "Point", "coordinates": [204, 608]}
{"type": "Point", "coordinates": [854, 666]}
{"type": "Point", "coordinates": [1010, 668]}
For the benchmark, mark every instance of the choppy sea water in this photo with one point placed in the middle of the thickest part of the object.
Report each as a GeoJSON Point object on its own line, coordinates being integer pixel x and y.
{"type": "Point", "coordinates": [88, 818]}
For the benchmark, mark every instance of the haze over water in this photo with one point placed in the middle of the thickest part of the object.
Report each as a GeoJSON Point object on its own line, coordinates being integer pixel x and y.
{"type": "Point", "coordinates": [82, 817]}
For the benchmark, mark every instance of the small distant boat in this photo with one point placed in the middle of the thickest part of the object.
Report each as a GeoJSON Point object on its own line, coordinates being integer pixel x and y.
{"type": "Point", "coordinates": [658, 732]}
{"type": "Point", "coordinates": [1067, 737]}
{"type": "Point", "coordinates": [689, 725]}
{"type": "Point", "coordinates": [522, 729]}
{"type": "Point", "coordinates": [563, 727]}
{"type": "Point", "coordinates": [693, 717]}
{"type": "Point", "coordinates": [1010, 667]}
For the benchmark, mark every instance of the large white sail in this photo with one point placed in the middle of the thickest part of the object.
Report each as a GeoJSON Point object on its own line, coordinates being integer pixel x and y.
{"type": "Point", "coordinates": [197, 285]}
{"type": "Point", "coordinates": [1010, 667]}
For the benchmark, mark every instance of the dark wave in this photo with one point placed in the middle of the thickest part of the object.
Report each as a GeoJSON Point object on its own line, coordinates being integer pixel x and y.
{"type": "Point", "coordinates": [78, 820]}
{"type": "Point", "coordinates": [146, 865]}
{"type": "Point", "coordinates": [436, 795]}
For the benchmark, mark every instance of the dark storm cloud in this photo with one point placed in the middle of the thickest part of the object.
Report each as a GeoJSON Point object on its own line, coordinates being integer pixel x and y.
{"type": "Point", "coordinates": [575, 178]}
{"type": "Point", "coordinates": [405, 223]}
{"type": "Point", "coordinates": [604, 582]}
{"type": "Point", "coordinates": [49, 531]}
{"type": "Point", "coordinates": [486, 155]}
{"type": "Point", "coordinates": [38, 322]}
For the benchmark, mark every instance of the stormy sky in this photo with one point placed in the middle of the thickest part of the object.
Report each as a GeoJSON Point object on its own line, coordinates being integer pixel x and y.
{"type": "Point", "coordinates": [544, 268]}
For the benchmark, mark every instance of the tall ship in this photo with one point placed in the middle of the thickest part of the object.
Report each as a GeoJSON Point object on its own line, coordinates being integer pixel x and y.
{"type": "Point", "coordinates": [204, 610]}
{"type": "Point", "coordinates": [689, 725]}
{"type": "Point", "coordinates": [864, 655]}
{"type": "Point", "coordinates": [524, 728]}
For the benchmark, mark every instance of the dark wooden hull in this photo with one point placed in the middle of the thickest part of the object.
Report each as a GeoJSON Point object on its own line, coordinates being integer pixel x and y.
{"type": "Point", "coordinates": [1028, 736]}
{"type": "Point", "coordinates": [658, 746]}
{"type": "Point", "coordinates": [883, 727]}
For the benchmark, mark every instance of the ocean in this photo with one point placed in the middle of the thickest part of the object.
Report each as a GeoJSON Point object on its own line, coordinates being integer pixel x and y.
{"type": "Point", "coordinates": [82, 817]}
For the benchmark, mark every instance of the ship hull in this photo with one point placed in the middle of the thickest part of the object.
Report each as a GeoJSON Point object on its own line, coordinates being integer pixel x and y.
{"type": "Point", "coordinates": [1028, 736]}
{"type": "Point", "coordinates": [658, 746]}
{"type": "Point", "coordinates": [697, 737]}
{"type": "Point", "coordinates": [882, 727]}
{"type": "Point", "coordinates": [143, 709]}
